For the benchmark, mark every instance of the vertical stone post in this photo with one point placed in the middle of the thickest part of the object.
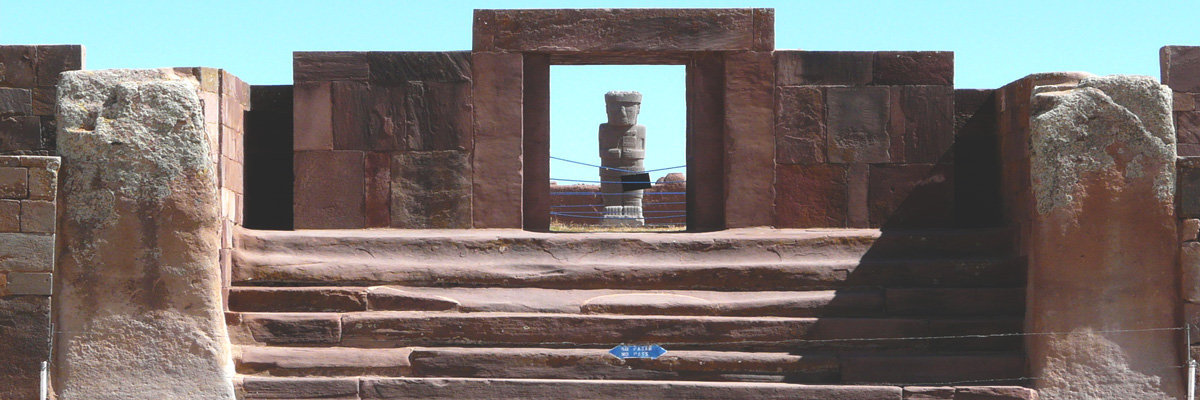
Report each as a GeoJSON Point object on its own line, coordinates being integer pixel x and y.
{"type": "Point", "coordinates": [1103, 294]}
{"type": "Point", "coordinates": [497, 180]}
{"type": "Point", "coordinates": [139, 308]}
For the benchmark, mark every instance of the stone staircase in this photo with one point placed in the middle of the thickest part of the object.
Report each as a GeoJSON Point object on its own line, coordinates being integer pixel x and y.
{"type": "Point", "coordinates": [748, 313]}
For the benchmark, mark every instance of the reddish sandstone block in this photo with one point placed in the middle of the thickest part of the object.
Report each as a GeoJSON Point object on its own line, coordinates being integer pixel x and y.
{"type": "Point", "coordinates": [799, 125]}
{"type": "Point", "coordinates": [1189, 230]}
{"type": "Point", "coordinates": [852, 68]}
{"type": "Point", "coordinates": [232, 173]}
{"type": "Point", "coordinates": [858, 119]}
{"type": "Point", "coordinates": [378, 170]}
{"type": "Point", "coordinates": [438, 116]}
{"type": "Point", "coordinates": [233, 114]}
{"type": "Point", "coordinates": [1182, 101]}
{"type": "Point", "coordinates": [18, 66]}
{"type": "Point", "coordinates": [329, 189]}
{"type": "Point", "coordinates": [14, 183]}
{"type": "Point", "coordinates": [401, 67]}
{"type": "Point", "coordinates": [764, 29]}
{"type": "Point", "coordinates": [911, 195]}
{"type": "Point", "coordinates": [55, 59]}
{"type": "Point", "coordinates": [995, 393]}
{"type": "Point", "coordinates": [913, 68]}
{"type": "Point", "coordinates": [352, 112]}
{"type": "Point", "coordinates": [37, 216]}
{"type": "Point", "coordinates": [312, 116]}
{"type": "Point", "coordinates": [10, 215]}
{"type": "Point", "coordinates": [329, 66]}
{"type": "Point", "coordinates": [596, 30]}
{"type": "Point", "coordinates": [498, 176]}
{"type": "Point", "coordinates": [1188, 187]}
{"type": "Point", "coordinates": [857, 193]}
{"type": "Point", "coordinates": [1180, 67]}
{"type": "Point", "coordinates": [386, 123]}
{"type": "Point", "coordinates": [431, 190]}
{"type": "Point", "coordinates": [928, 393]}
{"type": "Point", "coordinates": [1187, 127]}
{"type": "Point", "coordinates": [750, 138]}
{"type": "Point", "coordinates": [923, 123]}
{"type": "Point", "coordinates": [1189, 261]}
{"type": "Point", "coordinates": [810, 196]}
{"type": "Point", "coordinates": [236, 89]}
{"type": "Point", "coordinates": [20, 133]}
{"type": "Point", "coordinates": [16, 101]}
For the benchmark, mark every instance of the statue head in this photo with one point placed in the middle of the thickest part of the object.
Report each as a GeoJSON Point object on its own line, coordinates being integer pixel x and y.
{"type": "Point", "coordinates": [623, 107]}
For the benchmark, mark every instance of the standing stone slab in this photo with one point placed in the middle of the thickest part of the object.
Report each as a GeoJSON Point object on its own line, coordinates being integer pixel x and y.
{"type": "Point", "coordinates": [431, 190]}
{"type": "Point", "coordinates": [24, 344]}
{"type": "Point", "coordinates": [1103, 251]}
{"type": "Point", "coordinates": [799, 125]}
{"type": "Point", "coordinates": [138, 281]}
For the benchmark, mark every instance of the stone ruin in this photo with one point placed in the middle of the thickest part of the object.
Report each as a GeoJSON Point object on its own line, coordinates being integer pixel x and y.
{"type": "Point", "coordinates": [178, 233]}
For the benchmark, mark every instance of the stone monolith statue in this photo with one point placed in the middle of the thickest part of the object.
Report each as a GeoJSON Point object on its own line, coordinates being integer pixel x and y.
{"type": "Point", "coordinates": [622, 149]}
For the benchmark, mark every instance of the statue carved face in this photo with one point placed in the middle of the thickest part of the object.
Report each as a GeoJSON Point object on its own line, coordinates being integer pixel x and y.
{"type": "Point", "coordinates": [623, 112]}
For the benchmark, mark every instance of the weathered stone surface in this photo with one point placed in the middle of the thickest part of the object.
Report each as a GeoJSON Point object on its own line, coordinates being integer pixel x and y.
{"type": "Point", "coordinates": [812, 196]}
{"type": "Point", "coordinates": [25, 252]}
{"type": "Point", "coordinates": [10, 215]}
{"type": "Point", "coordinates": [1187, 126]}
{"type": "Point", "coordinates": [37, 216]}
{"type": "Point", "coordinates": [14, 182]}
{"type": "Point", "coordinates": [352, 113]}
{"type": "Point", "coordinates": [293, 328]}
{"type": "Point", "coordinates": [329, 66]}
{"type": "Point", "coordinates": [329, 190]}
{"type": "Point", "coordinates": [20, 133]}
{"type": "Point", "coordinates": [1189, 230]}
{"type": "Point", "coordinates": [18, 66]}
{"type": "Point", "coordinates": [931, 368]}
{"type": "Point", "coordinates": [387, 298]}
{"type": "Point", "coordinates": [857, 124]}
{"type": "Point", "coordinates": [30, 283]}
{"type": "Point", "coordinates": [431, 190]}
{"type": "Point", "coordinates": [469, 389]}
{"type": "Point", "coordinates": [922, 124]}
{"type": "Point", "coordinates": [1189, 262]}
{"type": "Point", "coordinates": [323, 361]}
{"type": "Point", "coordinates": [313, 121]}
{"type": "Point", "coordinates": [53, 60]}
{"type": "Point", "coordinates": [598, 30]}
{"type": "Point", "coordinates": [1188, 187]}
{"type": "Point", "coordinates": [750, 139]}
{"type": "Point", "coordinates": [25, 329]}
{"type": "Point", "coordinates": [497, 176]}
{"type": "Point", "coordinates": [43, 180]}
{"type": "Point", "coordinates": [799, 125]}
{"type": "Point", "coordinates": [1102, 166]}
{"type": "Point", "coordinates": [438, 116]}
{"type": "Point", "coordinates": [913, 68]}
{"type": "Point", "coordinates": [1183, 101]}
{"type": "Point", "coordinates": [140, 241]}
{"type": "Point", "coordinates": [852, 68]}
{"type": "Point", "coordinates": [408, 66]}
{"type": "Point", "coordinates": [1180, 67]}
{"type": "Point", "coordinates": [377, 168]}
{"type": "Point", "coordinates": [995, 393]}
{"type": "Point", "coordinates": [911, 195]}
{"type": "Point", "coordinates": [253, 299]}
{"type": "Point", "coordinates": [928, 393]}
{"type": "Point", "coordinates": [300, 388]}
{"type": "Point", "coordinates": [16, 101]}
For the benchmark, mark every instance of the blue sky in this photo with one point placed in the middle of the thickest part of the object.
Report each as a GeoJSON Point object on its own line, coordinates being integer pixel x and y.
{"type": "Point", "coordinates": [995, 42]}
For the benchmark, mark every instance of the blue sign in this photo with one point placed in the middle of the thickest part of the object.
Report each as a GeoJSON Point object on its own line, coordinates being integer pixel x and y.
{"type": "Point", "coordinates": [631, 351]}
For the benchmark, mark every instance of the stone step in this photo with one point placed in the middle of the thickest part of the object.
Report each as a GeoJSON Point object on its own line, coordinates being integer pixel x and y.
{"type": "Point", "coordinates": [256, 388]}
{"type": "Point", "coordinates": [680, 365]}
{"type": "Point", "coordinates": [253, 268]}
{"type": "Point", "coordinates": [390, 329]}
{"type": "Point", "coordinates": [850, 302]}
{"type": "Point", "coordinates": [748, 244]}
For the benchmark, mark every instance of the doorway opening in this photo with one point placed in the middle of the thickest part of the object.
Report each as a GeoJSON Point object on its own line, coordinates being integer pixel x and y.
{"type": "Point", "coordinates": [639, 183]}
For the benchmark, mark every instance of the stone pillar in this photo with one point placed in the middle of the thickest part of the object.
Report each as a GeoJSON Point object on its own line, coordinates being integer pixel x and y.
{"type": "Point", "coordinates": [139, 291]}
{"type": "Point", "coordinates": [1103, 245]}
{"type": "Point", "coordinates": [622, 149]}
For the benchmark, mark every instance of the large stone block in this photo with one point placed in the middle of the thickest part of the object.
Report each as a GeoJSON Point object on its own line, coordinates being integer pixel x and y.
{"type": "Point", "coordinates": [377, 189]}
{"type": "Point", "coordinates": [749, 139]}
{"type": "Point", "coordinates": [20, 133]}
{"type": "Point", "coordinates": [37, 216]}
{"type": "Point", "coordinates": [598, 30]}
{"type": "Point", "coordinates": [1188, 187]}
{"type": "Point", "coordinates": [14, 182]}
{"type": "Point", "coordinates": [923, 123]}
{"type": "Point", "coordinates": [438, 116]}
{"type": "Point", "coordinates": [858, 120]}
{"type": "Point", "coordinates": [352, 111]}
{"type": "Point", "coordinates": [402, 67]}
{"type": "Point", "coordinates": [1187, 128]}
{"type": "Point", "coordinates": [497, 168]}
{"type": "Point", "coordinates": [911, 195]}
{"type": "Point", "coordinates": [18, 66]}
{"type": "Point", "coordinates": [852, 68]}
{"type": "Point", "coordinates": [431, 190]}
{"type": "Point", "coordinates": [799, 125]}
{"type": "Point", "coordinates": [10, 215]}
{"type": "Point", "coordinates": [140, 278]}
{"type": "Point", "coordinates": [329, 190]}
{"type": "Point", "coordinates": [25, 252]}
{"type": "Point", "coordinates": [25, 327]}
{"type": "Point", "coordinates": [1180, 67]}
{"type": "Point", "coordinates": [913, 68]}
{"type": "Point", "coordinates": [312, 116]}
{"type": "Point", "coordinates": [329, 66]}
{"type": "Point", "coordinates": [1102, 172]}
{"type": "Point", "coordinates": [16, 101]}
{"type": "Point", "coordinates": [810, 196]}
{"type": "Point", "coordinates": [53, 60]}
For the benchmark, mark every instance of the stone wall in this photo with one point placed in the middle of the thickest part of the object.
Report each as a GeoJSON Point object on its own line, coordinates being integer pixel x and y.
{"type": "Point", "coordinates": [864, 139]}
{"type": "Point", "coordinates": [383, 139]}
{"type": "Point", "coordinates": [28, 188]}
{"type": "Point", "coordinates": [1180, 68]}
{"type": "Point", "coordinates": [28, 76]}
